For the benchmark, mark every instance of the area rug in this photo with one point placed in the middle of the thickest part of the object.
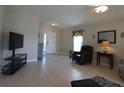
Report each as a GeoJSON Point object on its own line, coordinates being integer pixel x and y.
{"type": "Point", "coordinates": [96, 81]}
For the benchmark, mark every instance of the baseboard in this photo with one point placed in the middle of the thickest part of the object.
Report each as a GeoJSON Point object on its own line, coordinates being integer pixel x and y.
{"type": "Point", "coordinates": [32, 60]}
{"type": "Point", "coordinates": [64, 53]}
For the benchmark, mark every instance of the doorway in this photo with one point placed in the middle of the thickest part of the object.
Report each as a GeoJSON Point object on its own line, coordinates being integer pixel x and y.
{"type": "Point", "coordinates": [49, 42]}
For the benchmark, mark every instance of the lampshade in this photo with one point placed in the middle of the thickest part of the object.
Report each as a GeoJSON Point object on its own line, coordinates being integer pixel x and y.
{"type": "Point", "coordinates": [105, 44]}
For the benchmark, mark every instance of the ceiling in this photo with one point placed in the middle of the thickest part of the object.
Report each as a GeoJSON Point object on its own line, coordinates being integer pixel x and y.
{"type": "Point", "coordinates": [74, 15]}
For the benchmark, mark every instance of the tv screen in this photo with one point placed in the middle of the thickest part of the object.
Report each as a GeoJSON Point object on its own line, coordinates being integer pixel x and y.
{"type": "Point", "coordinates": [15, 40]}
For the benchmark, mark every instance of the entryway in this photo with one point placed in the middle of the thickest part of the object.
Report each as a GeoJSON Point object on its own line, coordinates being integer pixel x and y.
{"type": "Point", "coordinates": [49, 43]}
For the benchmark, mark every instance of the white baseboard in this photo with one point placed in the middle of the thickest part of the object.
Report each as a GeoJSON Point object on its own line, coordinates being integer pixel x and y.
{"type": "Point", "coordinates": [64, 53]}
{"type": "Point", "coordinates": [32, 60]}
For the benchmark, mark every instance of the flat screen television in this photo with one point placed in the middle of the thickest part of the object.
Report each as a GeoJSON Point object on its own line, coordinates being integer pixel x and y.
{"type": "Point", "coordinates": [15, 41]}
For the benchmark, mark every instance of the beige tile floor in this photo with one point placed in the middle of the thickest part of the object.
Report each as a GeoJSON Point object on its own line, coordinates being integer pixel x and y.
{"type": "Point", "coordinates": [55, 71]}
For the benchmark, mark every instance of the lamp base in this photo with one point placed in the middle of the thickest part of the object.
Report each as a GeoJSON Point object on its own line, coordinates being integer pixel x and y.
{"type": "Point", "coordinates": [105, 51]}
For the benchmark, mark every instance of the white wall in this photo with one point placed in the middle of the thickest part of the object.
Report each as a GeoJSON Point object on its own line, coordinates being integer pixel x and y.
{"type": "Point", "coordinates": [21, 20]}
{"type": "Point", "coordinates": [117, 25]}
{"type": "Point", "coordinates": [67, 42]}
{"type": "Point", "coordinates": [91, 30]}
{"type": "Point", "coordinates": [1, 29]}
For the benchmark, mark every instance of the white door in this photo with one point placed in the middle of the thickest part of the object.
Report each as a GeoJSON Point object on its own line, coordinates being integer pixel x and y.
{"type": "Point", "coordinates": [50, 42]}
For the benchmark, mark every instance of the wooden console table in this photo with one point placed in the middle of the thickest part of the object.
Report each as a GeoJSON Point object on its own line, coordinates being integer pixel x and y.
{"type": "Point", "coordinates": [110, 56]}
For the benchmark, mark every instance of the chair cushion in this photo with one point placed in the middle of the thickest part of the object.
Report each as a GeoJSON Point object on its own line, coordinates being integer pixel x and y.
{"type": "Point", "coordinates": [96, 81]}
{"type": "Point", "coordinates": [85, 83]}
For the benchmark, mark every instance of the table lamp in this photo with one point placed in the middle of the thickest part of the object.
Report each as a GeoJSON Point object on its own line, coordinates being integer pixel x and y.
{"type": "Point", "coordinates": [105, 46]}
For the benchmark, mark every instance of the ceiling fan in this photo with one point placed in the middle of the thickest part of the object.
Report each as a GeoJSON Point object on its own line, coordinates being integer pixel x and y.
{"type": "Point", "coordinates": [100, 8]}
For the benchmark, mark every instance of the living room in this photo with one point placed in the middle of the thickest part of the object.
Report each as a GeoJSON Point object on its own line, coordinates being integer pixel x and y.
{"type": "Point", "coordinates": [34, 21]}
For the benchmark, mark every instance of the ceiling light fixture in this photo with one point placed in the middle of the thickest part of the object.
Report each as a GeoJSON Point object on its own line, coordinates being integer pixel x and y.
{"type": "Point", "coordinates": [53, 24]}
{"type": "Point", "coordinates": [101, 9]}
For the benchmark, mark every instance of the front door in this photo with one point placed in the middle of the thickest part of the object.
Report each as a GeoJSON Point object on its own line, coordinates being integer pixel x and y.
{"type": "Point", "coordinates": [49, 42]}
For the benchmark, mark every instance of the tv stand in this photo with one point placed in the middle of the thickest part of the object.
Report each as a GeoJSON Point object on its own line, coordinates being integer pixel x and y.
{"type": "Point", "coordinates": [14, 64]}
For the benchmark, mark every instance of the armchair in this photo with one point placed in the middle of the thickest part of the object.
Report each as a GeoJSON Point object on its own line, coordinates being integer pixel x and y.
{"type": "Point", "coordinates": [121, 70]}
{"type": "Point", "coordinates": [84, 56]}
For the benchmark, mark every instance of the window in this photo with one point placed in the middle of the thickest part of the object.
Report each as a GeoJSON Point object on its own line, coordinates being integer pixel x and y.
{"type": "Point", "coordinates": [77, 43]}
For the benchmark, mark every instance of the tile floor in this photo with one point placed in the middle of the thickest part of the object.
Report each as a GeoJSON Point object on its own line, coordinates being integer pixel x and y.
{"type": "Point", "coordinates": [55, 71]}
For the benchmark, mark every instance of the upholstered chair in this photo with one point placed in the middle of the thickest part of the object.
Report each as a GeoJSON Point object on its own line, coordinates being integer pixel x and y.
{"type": "Point", "coordinates": [84, 56]}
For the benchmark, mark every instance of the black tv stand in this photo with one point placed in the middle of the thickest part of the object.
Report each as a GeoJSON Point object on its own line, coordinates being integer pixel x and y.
{"type": "Point", "coordinates": [15, 63]}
